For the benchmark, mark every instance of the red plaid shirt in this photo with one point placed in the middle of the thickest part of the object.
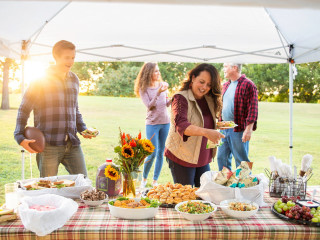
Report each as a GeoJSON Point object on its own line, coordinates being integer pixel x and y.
{"type": "Point", "coordinates": [245, 103]}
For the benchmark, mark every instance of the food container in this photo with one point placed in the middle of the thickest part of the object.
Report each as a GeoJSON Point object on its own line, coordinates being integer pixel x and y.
{"type": "Point", "coordinates": [193, 216]}
{"type": "Point", "coordinates": [213, 192]}
{"type": "Point", "coordinates": [133, 213]}
{"type": "Point", "coordinates": [93, 198]}
{"type": "Point", "coordinates": [45, 222]}
{"type": "Point", "coordinates": [81, 184]}
{"type": "Point", "coordinates": [238, 214]}
{"type": "Point", "coordinates": [308, 203]}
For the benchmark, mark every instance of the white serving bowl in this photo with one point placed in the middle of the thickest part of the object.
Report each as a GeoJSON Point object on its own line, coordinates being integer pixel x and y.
{"type": "Point", "coordinates": [94, 203]}
{"type": "Point", "coordinates": [238, 214]}
{"type": "Point", "coordinates": [196, 217]}
{"type": "Point", "coordinates": [133, 213]}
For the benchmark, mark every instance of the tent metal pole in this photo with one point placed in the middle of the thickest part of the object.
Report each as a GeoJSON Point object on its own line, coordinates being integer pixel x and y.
{"type": "Point", "coordinates": [22, 77]}
{"type": "Point", "coordinates": [291, 110]}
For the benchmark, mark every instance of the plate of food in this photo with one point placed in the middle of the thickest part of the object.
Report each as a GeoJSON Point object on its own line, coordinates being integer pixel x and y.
{"type": "Point", "coordinates": [7, 215]}
{"type": "Point", "coordinates": [226, 125]}
{"type": "Point", "coordinates": [290, 210]}
{"type": "Point", "coordinates": [90, 132]}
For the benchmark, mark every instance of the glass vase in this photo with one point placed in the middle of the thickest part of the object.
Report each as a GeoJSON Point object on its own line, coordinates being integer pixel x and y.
{"type": "Point", "coordinates": [129, 182]}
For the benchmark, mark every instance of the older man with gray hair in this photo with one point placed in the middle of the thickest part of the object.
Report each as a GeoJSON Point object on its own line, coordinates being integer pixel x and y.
{"type": "Point", "coordinates": [240, 104]}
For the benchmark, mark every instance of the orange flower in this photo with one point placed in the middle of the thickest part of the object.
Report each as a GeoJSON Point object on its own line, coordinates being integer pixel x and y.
{"type": "Point", "coordinates": [133, 143]}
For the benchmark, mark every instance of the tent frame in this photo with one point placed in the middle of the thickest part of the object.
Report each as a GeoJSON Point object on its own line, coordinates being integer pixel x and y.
{"type": "Point", "coordinates": [27, 44]}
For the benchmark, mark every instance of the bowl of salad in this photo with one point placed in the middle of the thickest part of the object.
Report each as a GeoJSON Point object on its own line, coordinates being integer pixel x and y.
{"type": "Point", "coordinates": [134, 208]}
{"type": "Point", "coordinates": [196, 210]}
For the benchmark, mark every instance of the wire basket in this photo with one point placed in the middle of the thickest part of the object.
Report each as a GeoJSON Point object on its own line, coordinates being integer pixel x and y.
{"type": "Point", "coordinates": [279, 186]}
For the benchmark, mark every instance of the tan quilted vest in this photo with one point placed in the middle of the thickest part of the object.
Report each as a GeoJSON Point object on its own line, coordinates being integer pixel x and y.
{"type": "Point", "coordinates": [189, 151]}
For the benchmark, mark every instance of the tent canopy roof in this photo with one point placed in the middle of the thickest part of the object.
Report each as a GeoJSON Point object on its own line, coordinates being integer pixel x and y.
{"type": "Point", "coordinates": [198, 31]}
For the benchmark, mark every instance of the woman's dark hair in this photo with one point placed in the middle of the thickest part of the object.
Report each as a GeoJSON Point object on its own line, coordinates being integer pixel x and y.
{"type": "Point", "coordinates": [215, 91]}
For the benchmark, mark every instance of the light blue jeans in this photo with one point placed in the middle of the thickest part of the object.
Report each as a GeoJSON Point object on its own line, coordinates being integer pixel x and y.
{"type": "Point", "coordinates": [160, 132]}
{"type": "Point", "coordinates": [232, 146]}
{"type": "Point", "coordinates": [70, 156]}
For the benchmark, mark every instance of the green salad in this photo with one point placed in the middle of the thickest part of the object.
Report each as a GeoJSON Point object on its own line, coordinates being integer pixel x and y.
{"type": "Point", "coordinates": [196, 207]}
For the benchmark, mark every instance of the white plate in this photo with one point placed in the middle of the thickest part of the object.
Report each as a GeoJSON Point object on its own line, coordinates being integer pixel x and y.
{"type": "Point", "coordinates": [94, 203]}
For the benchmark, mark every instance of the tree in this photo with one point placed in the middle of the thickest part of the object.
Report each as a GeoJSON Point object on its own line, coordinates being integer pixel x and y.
{"type": "Point", "coordinates": [89, 73]}
{"type": "Point", "coordinates": [6, 64]}
{"type": "Point", "coordinates": [271, 80]}
{"type": "Point", "coordinates": [119, 82]}
{"type": "Point", "coordinates": [307, 83]}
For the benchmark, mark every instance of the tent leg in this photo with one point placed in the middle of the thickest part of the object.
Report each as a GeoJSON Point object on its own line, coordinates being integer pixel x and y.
{"type": "Point", "coordinates": [22, 77]}
{"type": "Point", "coordinates": [291, 111]}
{"type": "Point", "coordinates": [22, 164]}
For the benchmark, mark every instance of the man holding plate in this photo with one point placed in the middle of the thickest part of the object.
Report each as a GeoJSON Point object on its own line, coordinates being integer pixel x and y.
{"type": "Point", "coordinates": [54, 101]}
{"type": "Point", "coordinates": [240, 105]}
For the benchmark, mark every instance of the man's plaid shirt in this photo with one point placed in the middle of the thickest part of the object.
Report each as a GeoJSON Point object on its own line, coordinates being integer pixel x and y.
{"type": "Point", "coordinates": [245, 103]}
{"type": "Point", "coordinates": [54, 102]}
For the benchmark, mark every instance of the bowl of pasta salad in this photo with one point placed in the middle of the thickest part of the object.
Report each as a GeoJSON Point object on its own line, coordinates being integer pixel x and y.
{"type": "Point", "coordinates": [239, 208]}
{"type": "Point", "coordinates": [196, 210]}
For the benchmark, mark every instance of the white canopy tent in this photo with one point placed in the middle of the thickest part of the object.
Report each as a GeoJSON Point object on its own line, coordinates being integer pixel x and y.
{"type": "Point", "coordinates": [172, 31]}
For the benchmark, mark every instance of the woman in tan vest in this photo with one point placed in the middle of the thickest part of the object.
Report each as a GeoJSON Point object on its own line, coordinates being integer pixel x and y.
{"type": "Point", "coordinates": [193, 121]}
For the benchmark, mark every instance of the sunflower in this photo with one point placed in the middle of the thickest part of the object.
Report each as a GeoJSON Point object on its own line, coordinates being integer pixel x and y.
{"type": "Point", "coordinates": [111, 173]}
{"type": "Point", "coordinates": [127, 151]}
{"type": "Point", "coordinates": [147, 145]}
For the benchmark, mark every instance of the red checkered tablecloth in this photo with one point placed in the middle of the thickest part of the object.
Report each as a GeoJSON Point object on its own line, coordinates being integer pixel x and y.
{"type": "Point", "coordinates": [97, 223]}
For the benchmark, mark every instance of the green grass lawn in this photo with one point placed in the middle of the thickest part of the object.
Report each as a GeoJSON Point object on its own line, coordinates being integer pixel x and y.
{"type": "Point", "coordinates": [109, 113]}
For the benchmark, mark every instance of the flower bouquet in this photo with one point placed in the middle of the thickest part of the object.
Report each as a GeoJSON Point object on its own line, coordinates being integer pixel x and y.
{"type": "Point", "coordinates": [131, 154]}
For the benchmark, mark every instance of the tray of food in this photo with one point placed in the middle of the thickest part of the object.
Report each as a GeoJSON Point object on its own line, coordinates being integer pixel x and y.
{"type": "Point", "coordinates": [171, 194]}
{"type": "Point", "coordinates": [289, 209]}
{"type": "Point", "coordinates": [70, 186]}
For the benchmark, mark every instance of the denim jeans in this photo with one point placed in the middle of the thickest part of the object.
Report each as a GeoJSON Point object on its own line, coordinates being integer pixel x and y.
{"type": "Point", "coordinates": [70, 156]}
{"type": "Point", "coordinates": [160, 132]}
{"type": "Point", "coordinates": [232, 146]}
{"type": "Point", "coordinates": [187, 175]}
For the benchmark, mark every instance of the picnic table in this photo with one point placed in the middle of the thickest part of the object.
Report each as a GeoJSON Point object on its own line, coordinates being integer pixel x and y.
{"type": "Point", "coordinates": [97, 223]}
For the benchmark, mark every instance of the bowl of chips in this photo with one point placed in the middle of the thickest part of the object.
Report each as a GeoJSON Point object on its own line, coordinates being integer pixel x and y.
{"type": "Point", "coordinates": [239, 208]}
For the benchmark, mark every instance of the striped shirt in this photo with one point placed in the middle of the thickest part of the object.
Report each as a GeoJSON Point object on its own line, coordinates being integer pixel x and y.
{"type": "Point", "coordinates": [245, 103]}
{"type": "Point", "coordinates": [54, 102]}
